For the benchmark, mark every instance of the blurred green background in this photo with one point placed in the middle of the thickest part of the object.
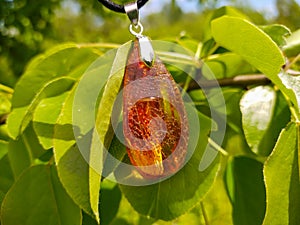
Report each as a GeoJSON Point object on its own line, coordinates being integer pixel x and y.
{"type": "Point", "coordinates": [28, 27]}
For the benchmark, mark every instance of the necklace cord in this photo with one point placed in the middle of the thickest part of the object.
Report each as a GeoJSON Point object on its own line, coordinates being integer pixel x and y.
{"type": "Point", "coordinates": [120, 8]}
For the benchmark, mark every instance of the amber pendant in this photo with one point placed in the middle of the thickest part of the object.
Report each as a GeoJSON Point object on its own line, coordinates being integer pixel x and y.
{"type": "Point", "coordinates": [155, 123]}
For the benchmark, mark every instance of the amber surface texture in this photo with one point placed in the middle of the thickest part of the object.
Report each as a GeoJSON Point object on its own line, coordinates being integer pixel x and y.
{"type": "Point", "coordinates": [155, 123]}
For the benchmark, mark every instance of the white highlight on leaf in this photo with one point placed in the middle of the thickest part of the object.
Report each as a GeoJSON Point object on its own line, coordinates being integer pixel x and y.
{"type": "Point", "coordinates": [257, 107]}
{"type": "Point", "coordinates": [291, 82]}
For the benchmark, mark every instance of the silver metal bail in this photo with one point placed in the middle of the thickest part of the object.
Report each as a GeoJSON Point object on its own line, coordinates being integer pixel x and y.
{"type": "Point", "coordinates": [146, 51]}
{"type": "Point", "coordinates": [136, 28]}
{"type": "Point", "coordinates": [132, 12]}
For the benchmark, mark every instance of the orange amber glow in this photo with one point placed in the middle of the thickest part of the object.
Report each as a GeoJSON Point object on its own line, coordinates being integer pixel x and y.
{"type": "Point", "coordinates": [154, 119]}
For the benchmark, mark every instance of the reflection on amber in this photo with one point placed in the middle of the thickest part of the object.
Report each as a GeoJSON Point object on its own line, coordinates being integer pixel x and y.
{"type": "Point", "coordinates": [154, 119]}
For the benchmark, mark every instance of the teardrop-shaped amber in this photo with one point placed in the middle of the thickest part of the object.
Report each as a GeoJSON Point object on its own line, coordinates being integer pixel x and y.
{"type": "Point", "coordinates": [155, 124]}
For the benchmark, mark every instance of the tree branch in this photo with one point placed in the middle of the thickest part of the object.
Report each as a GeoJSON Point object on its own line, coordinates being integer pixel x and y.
{"type": "Point", "coordinates": [240, 81]}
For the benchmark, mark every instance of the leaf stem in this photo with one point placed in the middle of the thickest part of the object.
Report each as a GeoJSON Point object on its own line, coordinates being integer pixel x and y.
{"type": "Point", "coordinates": [187, 84]}
{"type": "Point", "coordinates": [212, 50]}
{"type": "Point", "coordinates": [294, 113]}
{"type": "Point", "coordinates": [98, 45]}
{"type": "Point", "coordinates": [289, 65]}
{"type": "Point", "coordinates": [189, 79]}
{"type": "Point", "coordinates": [27, 146]}
{"type": "Point", "coordinates": [204, 213]}
{"type": "Point", "coordinates": [217, 147]}
{"type": "Point", "coordinates": [179, 58]}
{"type": "Point", "coordinates": [6, 89]}
{"type": "Point", "coordinates": [198, 52]}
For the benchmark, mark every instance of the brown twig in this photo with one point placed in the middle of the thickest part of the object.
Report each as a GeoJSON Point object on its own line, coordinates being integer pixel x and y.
{"type": "Point", "coordinates": [240, 81]}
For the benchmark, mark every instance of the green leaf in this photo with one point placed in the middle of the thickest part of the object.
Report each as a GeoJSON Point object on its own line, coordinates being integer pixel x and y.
{"type": "Point", "coordinates": [264, 114]}
{"type": "Point", "coordinates": [223, 11]}
{"type": "Point", "coordinates": [277, 32]}
{"type": "Point", "coordinates": [234, 142]}
{"type": "Point", "coordinates": [19, 156]}
{"type": "Point", "coordinates": [292, 47]}
{"type": "Point", "coordinates": [118, 152]}
{"type": "Point", "coordinates": [21, 116]}
{"type": "Point", "coordinates": [120, 221]}
{"type": "Point", "coordinates": [226, 65]}
{"type": "Point", "coordinates": [208, 48]}
{"type": "Point", "coordinates": [88, 220]}
{"type": "Point", "coordinates": [3, 148]}
{"type": "Point", "coordinates": [6, 173]}
{"type": "Point", "coordinates": [228, 11]}
{"type": "Point", "coordinates": [250, 42]}
{"type": "Point", "coordinates": [72, 166]}
{"type": "Point", "coordinates": [5, 103]}
{"type": "Point", "coordinates": [232, 98]}
{"type": "Point", "coordinates": [256, 47]}
{"type": "Point", "coordinates": [48, 75]}
{"type": "Point", "coordinates": [281, 172]}
{"type": "Point", "coordinates": [103, 133]}
{"type": "Point", "coordinates": [23, 152]}
{"type": "Point", "coordinates": [257, 107]}
{"type": "Point", "coordinates": [45, 202]}
{"type": "Point", "coordinates": [63, 129]}
{"type": "Point", "coordinates": [3, 133]}
{"type": "Point", "coordinates": [280, 118]}
{"type": "Point", "coordinates": [245, 185]}
{"type": "Point", "coordinates": [73, 169]}
{"type": "Point", "coordinates": [6, 177]}
{"type": "Point", "coordinates": [175, 196]}
{"type": "Point", "coordinates": [80, 165]}
{"type": "Point", "coordinates": [292, 89]}
{"type": "Point", "coordinates": [45, 117]}
{"type": "Point", "coordinates": [217, 204]}
{"type": "Point", "coordinates": [188, 43]}
{"type": "Point", "coordinates": [110, 197]}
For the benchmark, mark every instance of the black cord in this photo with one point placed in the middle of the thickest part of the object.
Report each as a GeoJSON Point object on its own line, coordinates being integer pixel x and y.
{"type": "Point", "coordinates": [120, 8]}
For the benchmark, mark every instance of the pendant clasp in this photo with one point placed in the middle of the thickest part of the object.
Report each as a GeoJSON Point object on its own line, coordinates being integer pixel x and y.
{"type": "Point", "coordinates": [132, 12]}
{"type": "Point", "coordinates": [136, 28]}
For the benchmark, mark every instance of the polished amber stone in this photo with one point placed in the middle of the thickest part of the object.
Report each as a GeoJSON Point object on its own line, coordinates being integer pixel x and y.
{"type": "Point", "coordinates": [155, 123]}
